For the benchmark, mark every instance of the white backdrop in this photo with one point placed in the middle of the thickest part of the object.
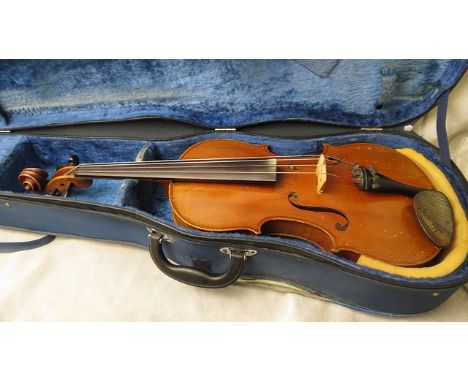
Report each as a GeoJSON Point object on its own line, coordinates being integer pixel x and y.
{"type": "Point", "coordinates": [75, 279]}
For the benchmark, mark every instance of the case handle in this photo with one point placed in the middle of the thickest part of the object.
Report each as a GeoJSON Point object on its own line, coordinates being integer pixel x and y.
{"type": "Point", "coordinates": [196, 277]}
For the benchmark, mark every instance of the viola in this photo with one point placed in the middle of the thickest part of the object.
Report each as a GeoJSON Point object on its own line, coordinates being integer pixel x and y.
{"type": "Point", "coordinates": [353, 199]}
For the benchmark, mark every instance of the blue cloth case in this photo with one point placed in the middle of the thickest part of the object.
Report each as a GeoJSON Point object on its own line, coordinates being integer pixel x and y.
{"type": "Point", "coordinates": [362, 100]}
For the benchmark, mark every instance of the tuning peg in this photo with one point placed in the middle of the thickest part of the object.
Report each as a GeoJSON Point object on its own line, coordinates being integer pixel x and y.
{"type": "Point", "coordinates": [73, 160]}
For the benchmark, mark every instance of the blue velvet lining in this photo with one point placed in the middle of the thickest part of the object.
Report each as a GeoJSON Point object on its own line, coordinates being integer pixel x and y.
{"type": "Point", "coordinates": [146, 197]}
{"type": "Point", "coordinates": [222, 92]}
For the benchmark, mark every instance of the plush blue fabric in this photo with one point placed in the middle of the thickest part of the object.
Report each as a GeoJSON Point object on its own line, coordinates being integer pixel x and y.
{"type": "Point", "coordinates": [148, 198]}
{"type": "Point", "coordinates": [222, 92]}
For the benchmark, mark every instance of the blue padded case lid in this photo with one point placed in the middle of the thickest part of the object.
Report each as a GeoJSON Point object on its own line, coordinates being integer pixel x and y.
{"type": "Point", "coordinates": [222, 93]}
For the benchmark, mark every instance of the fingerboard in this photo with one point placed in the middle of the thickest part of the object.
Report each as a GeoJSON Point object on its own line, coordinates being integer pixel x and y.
{"type": "Point", "coordinates": [225, 170]}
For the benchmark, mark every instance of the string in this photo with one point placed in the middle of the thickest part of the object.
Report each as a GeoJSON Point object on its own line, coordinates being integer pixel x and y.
{"type": "Point", "coordinates": [116, 171]}
{"type": "Point", "coordinates": [190, 166]}
{"type": "Point", "coordinates": [192, 170]}
{"type": "Point", "coordinates": [142, 166]}
{"type": "Point", "coordinates": [132, 174]}
{"type": "Point", "coordinates": [336, 160]}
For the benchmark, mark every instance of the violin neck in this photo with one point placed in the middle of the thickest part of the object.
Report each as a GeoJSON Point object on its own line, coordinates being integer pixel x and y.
{"type": "Point", "coordinates": [225, 170]}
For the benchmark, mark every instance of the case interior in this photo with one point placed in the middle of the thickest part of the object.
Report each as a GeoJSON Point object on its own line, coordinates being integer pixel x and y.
{"type": "Point", "coordinates": [220, 93]}
{"type": "Point", "coordinates": [17, 152]}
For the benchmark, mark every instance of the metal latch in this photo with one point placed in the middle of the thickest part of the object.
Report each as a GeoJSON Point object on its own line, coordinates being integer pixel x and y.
{"type": "Point", "coordinates": [164, 237]}
{"type": "Point", "coordinates": [408, 128]}
{"type": "Point", "coordinates": [237, 252]}
{"type": "Point", "coordinates": [225, 129]}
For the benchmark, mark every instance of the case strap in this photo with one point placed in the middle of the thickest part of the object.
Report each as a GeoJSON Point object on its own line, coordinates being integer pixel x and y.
{"type": "Point", "coordinates": [441, 124]}
{"type": "Point", "coordinates": [25, 245]}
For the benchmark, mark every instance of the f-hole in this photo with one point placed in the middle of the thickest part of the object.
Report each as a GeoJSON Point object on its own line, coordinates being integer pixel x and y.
{"type": "Point", "coordinates": [339, 226]}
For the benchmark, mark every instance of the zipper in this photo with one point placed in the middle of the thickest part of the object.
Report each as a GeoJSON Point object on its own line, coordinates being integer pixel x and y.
{"type": "Point", "coordinates": [36, 131]}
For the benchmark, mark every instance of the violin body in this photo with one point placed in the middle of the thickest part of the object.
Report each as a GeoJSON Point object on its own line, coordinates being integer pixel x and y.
{"type": "Point", "coordinates": [382, 226]}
